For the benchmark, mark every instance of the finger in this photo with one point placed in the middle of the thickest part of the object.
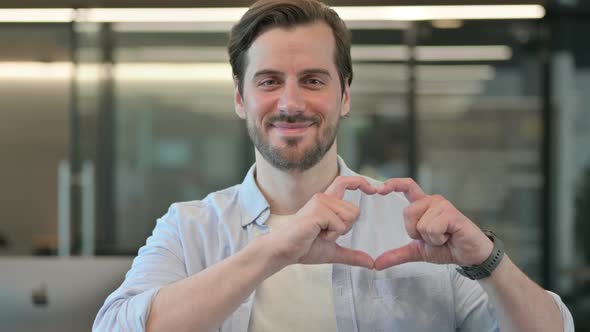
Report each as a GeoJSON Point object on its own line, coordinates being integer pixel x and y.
{"type": "Point", "coordinates": [343, 183]}
{"type": "Point", "coordinates": [418, 208]}
{"type": "Point", "coordinates": [353, 257]}
{"type": "Point", "coordinates": [433, 224]}
{"type": "Point", "coordinates": [434, 233]}
{"type": "Point", "coordinates": [409, 253]}
{"type": "Point", "coordinates": [413, 213]}
{"type": "Point", "coordinates": [438, 229]}
{"type": "Point", "coordinates": [411, 190]}
{"type": "Point", "coordinates": [347, 211]}
{"type": "Point", "coordinates": [438, 239]}
{"type": "Point", "coordinates": [332, 226]}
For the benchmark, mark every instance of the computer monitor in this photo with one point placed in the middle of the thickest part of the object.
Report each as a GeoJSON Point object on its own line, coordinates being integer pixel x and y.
{"type": "Point", "coordinates": [56, 294]}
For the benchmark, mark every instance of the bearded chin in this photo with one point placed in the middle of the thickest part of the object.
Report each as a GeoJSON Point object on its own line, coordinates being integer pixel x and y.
{"type": "Point", "coordinates": [287, 159]}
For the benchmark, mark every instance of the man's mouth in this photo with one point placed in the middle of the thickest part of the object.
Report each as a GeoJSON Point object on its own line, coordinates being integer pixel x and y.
{"type": "Point", "coordinates": [291, 128]}
{"type": "Point", "coordinates": [292, 125]}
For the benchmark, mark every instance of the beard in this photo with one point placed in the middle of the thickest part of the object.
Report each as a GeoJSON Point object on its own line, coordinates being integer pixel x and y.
{"type": "Point", "coordinates": [287, 158]}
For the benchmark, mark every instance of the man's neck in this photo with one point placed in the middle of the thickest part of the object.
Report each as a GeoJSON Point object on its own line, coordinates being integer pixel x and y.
{"type": "Point", "coordinates": [287, 192]}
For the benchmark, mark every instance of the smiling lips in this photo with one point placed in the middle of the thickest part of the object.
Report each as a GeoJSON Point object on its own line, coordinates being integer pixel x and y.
{"type": "Point", "coordinates": [292, 128]}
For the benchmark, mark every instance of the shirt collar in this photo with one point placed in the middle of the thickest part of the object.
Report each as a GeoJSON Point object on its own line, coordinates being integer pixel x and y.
{"type": "Point", "coordinates": [254, 204]}
{"type": "Point", "coordinates": [252, 201]}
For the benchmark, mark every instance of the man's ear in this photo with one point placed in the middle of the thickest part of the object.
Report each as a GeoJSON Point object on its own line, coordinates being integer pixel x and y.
{"type": "Point", "coordinates": [345, 100]}
{"type": "Point", "coordinates": [238, 100]}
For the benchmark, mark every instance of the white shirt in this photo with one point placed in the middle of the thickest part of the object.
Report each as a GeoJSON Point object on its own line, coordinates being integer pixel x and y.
{"type": "Point", "coordinates": [297, 298]}
{"type": "Point", "coordinates": [417, 297]}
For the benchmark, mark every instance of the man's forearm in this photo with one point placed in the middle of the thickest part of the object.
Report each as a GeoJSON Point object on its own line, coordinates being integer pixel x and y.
{"type": "Point", "coordinates": [520, 304]}
{"type": "Point", "coordinates": [203, 301]}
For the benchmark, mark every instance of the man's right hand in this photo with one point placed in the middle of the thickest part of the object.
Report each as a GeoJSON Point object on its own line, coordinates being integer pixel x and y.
{"type": "Point", "coordinates": [309, 237]}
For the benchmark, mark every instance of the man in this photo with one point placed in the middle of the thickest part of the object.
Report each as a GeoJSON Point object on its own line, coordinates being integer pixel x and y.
{"type": "Point", "coordinates": [292, 247]}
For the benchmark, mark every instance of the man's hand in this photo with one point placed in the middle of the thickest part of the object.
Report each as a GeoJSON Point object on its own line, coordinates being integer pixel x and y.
{"type": "Point", "coordinates": [441, 233]}
{"type": "Point", "coordinates": [309, 238]}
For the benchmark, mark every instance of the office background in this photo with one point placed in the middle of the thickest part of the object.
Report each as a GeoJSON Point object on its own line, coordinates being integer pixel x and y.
{"type": "Point", "coordinates": [107, 117]}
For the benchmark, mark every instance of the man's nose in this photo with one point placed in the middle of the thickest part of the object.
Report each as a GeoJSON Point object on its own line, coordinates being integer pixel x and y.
{"type": "Point", "coordinates": [291, 100]}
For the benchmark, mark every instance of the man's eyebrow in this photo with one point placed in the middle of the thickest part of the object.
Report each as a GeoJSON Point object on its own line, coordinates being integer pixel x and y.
{"type": "Point", "coordinates": [267, 72]}
{"type": "Point", "coordinates": [315, 71]}
{"type": "Point", "coordinates": [305, 72]}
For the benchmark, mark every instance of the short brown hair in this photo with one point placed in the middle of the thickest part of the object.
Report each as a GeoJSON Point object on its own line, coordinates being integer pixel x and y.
{"type": "Point", "coordinates": [266, 14]}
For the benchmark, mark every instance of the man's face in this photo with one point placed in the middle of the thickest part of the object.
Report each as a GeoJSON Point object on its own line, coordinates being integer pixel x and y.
{"type": "Point", "coordinates": [292, 99]}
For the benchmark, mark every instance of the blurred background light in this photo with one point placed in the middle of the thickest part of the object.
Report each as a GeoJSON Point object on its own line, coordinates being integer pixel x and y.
{"type": "Point", "coordinates": [348, 13]}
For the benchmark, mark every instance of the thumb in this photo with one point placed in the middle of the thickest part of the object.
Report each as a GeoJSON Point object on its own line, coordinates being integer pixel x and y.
{"type": "Point", "coordinates": [352, 257]}
{"type": "Point", "coordinates": [405, 254]}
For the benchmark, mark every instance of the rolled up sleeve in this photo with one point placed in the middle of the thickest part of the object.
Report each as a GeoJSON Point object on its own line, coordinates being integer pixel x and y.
{"type": "Point", "coordinates": [159, 263]}
{"type": "Point", "coordinates": [474, 310]}
{"type": "Point", "coordinates": [568, 320]}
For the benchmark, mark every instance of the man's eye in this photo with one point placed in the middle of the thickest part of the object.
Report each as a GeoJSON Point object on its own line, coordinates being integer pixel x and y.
{"type": "Point", "coordinates": [313, 81]}
{"type": "Point", "coordinates": [268, 83]}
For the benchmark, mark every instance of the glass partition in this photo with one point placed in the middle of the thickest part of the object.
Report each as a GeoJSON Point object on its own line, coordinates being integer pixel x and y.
{"type": "Point", "coordinates": [34, 134]}
{"type": "Point", "coordinates": [480, 127]}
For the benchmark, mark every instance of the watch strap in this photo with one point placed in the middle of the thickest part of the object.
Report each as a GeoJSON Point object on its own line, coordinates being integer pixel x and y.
{"type": "Point", "coordinates": [486, 268]}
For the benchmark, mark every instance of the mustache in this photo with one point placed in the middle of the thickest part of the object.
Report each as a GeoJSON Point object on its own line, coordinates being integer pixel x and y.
{"type": "Point", "coordinates": [292, 118]}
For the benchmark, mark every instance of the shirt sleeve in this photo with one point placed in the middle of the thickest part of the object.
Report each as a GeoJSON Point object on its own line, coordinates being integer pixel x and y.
{"type": "Point", "coordinates": [474, 311]}
{"type": "Point", "coordinates": [568, 320]}
{"type": "Point", "coordinates": [159, 262]}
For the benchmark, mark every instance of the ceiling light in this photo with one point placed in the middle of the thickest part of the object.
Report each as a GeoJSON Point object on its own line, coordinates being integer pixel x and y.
{"type": "Point", "coordinates": [233, 14]}
{"type": "Point", "coordinates": [122, 71]}
{"type": "Point", "coordinates": [431, 53]}
{"type": "Point", "coordinates": [36, 15]}
{"type": "Point", "coordinates": [359, 53]}
{"type": "Point", "coordinates": [448, 73]}
{"type": "Point", "coordinates": [426, 13]}
{"type": "Point", "coordinates": [220, 72]}
{"type": "Point", "coordinates": [35, 70]}
{"type": "Point", "coordinates": [163, 14]}
{"type": "Point", "coordinates": [447, 24]}
{"type": "Point", "coordinates": [463, 53]}
{"type": "Point", "coordinates": [384, 73]}
{"type": "Point", "coordinates": [163, 27]}
{"type": "Point", "coordinates": [172, 54]}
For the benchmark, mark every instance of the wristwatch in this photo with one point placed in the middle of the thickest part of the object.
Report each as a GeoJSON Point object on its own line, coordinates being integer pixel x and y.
{"type": "Point", "coordinates": [485, 269]}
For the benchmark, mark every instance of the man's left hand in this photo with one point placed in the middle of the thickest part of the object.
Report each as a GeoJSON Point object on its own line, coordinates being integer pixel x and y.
{"type": "Point", "coordinates": [441, 234]}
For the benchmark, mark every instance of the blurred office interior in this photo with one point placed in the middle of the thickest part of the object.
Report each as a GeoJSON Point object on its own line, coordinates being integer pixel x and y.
{"type": "Point", "coordinates": [112, 110]}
